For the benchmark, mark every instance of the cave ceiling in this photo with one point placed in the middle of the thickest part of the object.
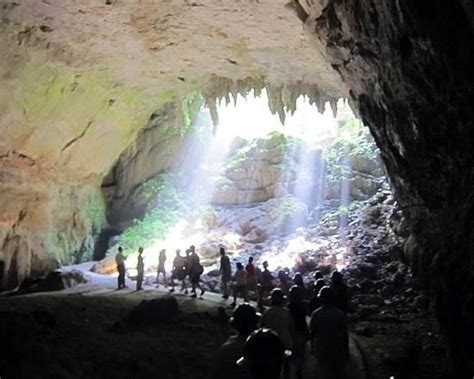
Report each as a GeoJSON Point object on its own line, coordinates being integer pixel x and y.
{"type": "Point", "coordinates": [79, 79]}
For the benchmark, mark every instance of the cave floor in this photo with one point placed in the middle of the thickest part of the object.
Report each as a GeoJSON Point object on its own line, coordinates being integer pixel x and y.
{"type": "Point", "coordinates": [71, 334]}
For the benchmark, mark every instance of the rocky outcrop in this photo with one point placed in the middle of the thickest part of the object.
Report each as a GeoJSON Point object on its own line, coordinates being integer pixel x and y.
{"type": "Point", "coordinates": [277, 165]}
{"type": "Point", "coordinates": [159, 147]}
{"type": "Point", "coordinates": [409, 69]}
{"type": "Point", "coordinates": [257, 171]}
{"type": "Point", "coordinates": [43, 223]}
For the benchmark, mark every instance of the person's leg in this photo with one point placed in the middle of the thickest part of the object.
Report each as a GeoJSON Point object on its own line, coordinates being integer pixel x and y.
{"type": "Point", "coordinates": [245, 293]}
{"type": "Point", "coordinates": [184, 286]}
{"type": "Point", "coordinates": [235, 292]}
{"type": "Point", "coordinates": [225, 288]}
{"type": "Point", "coordinates": [202, 290]}
{"type": "Point", "coordinates": [164, 279]}
{"type": "Point", "coordinates": [172, 281]}
{"type": "Point", "coordinates": [119, 279]}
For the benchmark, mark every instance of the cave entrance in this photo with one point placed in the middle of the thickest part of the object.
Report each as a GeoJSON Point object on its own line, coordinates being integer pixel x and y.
{"type": "Point", "coordinates": [283, 192]}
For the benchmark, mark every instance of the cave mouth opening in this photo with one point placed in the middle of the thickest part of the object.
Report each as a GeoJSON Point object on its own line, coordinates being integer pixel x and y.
{"type": "Point", "coordinates": [281, 190]}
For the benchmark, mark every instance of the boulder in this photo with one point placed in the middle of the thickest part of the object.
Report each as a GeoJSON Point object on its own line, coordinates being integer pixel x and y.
{"type": "Point", "coordinates": [153, 311]}
{"type": "Point", "coordinates": [53, 281]}
{"type": "Point", "coordinates": [105, 266]}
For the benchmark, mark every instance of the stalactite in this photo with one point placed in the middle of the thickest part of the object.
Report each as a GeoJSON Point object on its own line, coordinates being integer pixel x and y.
{"type": "Point", "coordinates": [282, 99]}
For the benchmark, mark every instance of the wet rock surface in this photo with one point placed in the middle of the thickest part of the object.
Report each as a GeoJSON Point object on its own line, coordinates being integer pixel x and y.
{"type": "Point", "coordinates": [389, 312]}
{"type": "Point", "coordinates": [395, 60]}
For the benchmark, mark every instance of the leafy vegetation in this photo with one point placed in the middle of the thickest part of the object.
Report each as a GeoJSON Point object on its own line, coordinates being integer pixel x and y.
{"type": "Point", "coordinates": [354, 142]}
{"type": "Point", "coordinates": [168, 204]}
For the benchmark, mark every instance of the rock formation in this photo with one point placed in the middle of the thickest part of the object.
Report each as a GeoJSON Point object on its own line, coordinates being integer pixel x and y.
{"type": "Point", "coordinates": [409, 69]}
{"type": "Point", "coordinates": [79, 81]}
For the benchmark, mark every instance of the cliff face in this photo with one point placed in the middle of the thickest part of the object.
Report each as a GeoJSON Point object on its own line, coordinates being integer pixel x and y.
{"type": "Point", "coordinates": [43, 222]}
{"type": "Point", "coordinates": [80, 80]}
{"type": "Point", "coordinates": [409, 69]}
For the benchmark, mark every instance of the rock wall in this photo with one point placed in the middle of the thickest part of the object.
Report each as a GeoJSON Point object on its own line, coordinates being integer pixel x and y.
{"type": "Point", "coordinates": [408, 65]}
{"type": "Point", "coordinates": [43, 223]}
{"type": "Point", "coordinates": [158, 147]}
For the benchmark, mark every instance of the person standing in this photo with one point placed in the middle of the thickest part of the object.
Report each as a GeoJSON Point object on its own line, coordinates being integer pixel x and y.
{"type": "Point", "coordinates": [140, 269]}
{"type": "Point", "coordinates": [120, 261]}
{"type": "Point", "coordinates": [240, 284]}
{"type": "Point", "coordinates": [314, 302]}
{"type": "Point", "coordinates": [340, 291]}
{"type": "Point", "coordinates": [244, 320]}
{"type": "Point", "coordinates": [195, 271]}
{"type": "Point", "coordinates": [278, 319]}
{"type": "Point", "coordinates": [251, 277]}
{"type": "Point", "coordinates": [298, 307]}
{"type": "Point", "coordinates": [266, 285]}
{"type": "Point", "coordinates": [264, 355]}
{"type": "Point", "coordinates": [161, 268]}
{"type": "Point", "coordinates": [179, 271]}
{"type": "Point", "coordinates": [226, 272]}
{"type": "Point", "coordinates": [329, 338]}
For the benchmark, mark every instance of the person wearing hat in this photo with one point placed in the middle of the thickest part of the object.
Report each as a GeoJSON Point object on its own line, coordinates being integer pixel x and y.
{"type": "Point", "coordinates": [266, 284]}
{"type": "Point", "coordinates": [340, 291]}
{"type": "Point", "coordinates": [278, 319]}
{"type": "Point", "coordinates": [298, 309]}
{"type": "Point", "coordinates": [299, 283]}
{"type": "Point", "coordinates": [244, 320]}
{"type": "Point", "coordinates": [314, 302]}
{"type": "Point", "coordinates": [329, 338]}
{"type": "Point", "coordinates": [263, 354]}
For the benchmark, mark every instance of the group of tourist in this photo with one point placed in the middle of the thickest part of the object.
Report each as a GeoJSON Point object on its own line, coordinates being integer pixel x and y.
{"type": "Point", "coordinates": [275, 341]}
{"type": "Point", "coordinates": [273, 345]}
{"type": "Point", "coordinates": [188, 266]}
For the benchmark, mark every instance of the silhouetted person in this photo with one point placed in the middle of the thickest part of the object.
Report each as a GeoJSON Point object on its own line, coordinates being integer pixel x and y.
{"type": "Point", "coordinates": [278, 319]}
{"type": "Point", "coordinates": [266, 285]}
{"type": "Point", "coordinates": [195, 271]}
{"type": "Point", "coordinates": [140, 269]}
{"type": "Point", "coordinates": [240, 284]}
{"type": "Point", "coordinates": [284, 279]}
{"type": "Point", "coordinates": [340, 291]}
{"type": "Point", "coordinates": [299, 283]}
{"type": "Point", "coordinates": [120, 261]}
{"type": "Point", "coordinates": [187, 265]}
{"type": "Point", "coordinates": [317, 275]}
{"type": "Point", "coordinates": [298, 308]}
{"type": "Point", "coordinates": [329, 339]}
{"type": "Point", "coordinates": [263, 355]}
{"type": "Point", "coordinates": [225, 271]}
{"type": "Point", "coordinates": [161, 267]}
{"type": "Point", "coordinates": [314, 302]}
{"type": "Point", "coordinates": [251, 277]}
{"type": "Point", "coordinates": [244, 320]}
{"type": "Point", "coordinates": [179, 271]}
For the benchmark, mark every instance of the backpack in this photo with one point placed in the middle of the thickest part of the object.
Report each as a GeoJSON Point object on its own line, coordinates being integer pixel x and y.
{"type": "Point", "coordinates": [199, 269]}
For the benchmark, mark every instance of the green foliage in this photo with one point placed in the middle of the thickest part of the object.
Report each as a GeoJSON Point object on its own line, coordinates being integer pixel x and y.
{"type": "Point", "coordinates": [354, 141]}
{"type": "Point", "coordinates": [169, 203]}
{"type": "Point", "coordinates": [342, 209]}
{"type": "Point", "coordinates": [190, 107]}
{"type": "Point", "coordinates": [288, 207]}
